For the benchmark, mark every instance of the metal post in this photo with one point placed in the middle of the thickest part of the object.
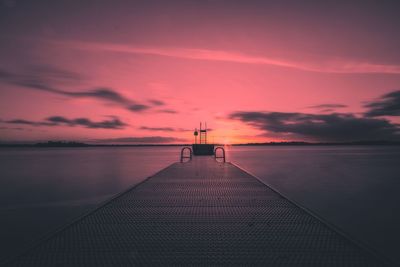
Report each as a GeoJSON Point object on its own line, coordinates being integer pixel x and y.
{"type": "Point", "coordinates": [206, 133]}
{"type": "Point", "coordinates": [186, 157]}
{"type": "Point", "coordinates": [223, 153]}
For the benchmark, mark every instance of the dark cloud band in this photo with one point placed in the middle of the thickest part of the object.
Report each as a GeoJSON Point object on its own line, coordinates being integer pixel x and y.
{"type": "Point", "coordinates": [142, 140]}
{"type": "Point", "coordinates": [319, 127]}
{"type": "Point", "coordinates": [386, 105]}
{"type": "Point", "coordinates": [113, 123]}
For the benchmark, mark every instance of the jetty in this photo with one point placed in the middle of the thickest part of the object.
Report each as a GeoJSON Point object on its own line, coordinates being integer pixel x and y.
{"type": "Point", "coordinates": [198, 212]}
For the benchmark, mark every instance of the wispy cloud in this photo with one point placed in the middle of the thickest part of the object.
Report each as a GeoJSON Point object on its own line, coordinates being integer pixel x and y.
{"type": "Point", "coordinates": [165, 129]}
{"type": "Point", "coordinates": [31, 123]}
{"type": "Point", "coordinates": [327, 108]}
{"type": "Point", "coordinates": [156, 102]}
{"type": "Point", "coordinates": [386, 105]}
{"type": "Point", "coordinates": [12, 128]}
{"type": "Point", "coordinates": [161, 129]}
{"type": "Point", "coordinates": [168, 111]}
{"type": "Point", "coordinates": [43, 79]}
{"type": "Point", "coordinates": [113, 123]}
{"type": "Point", "coordinates": [332, 106]}
{"type": "Point", "coordinates": [39, 76]}
{"type": "Point", "coordinates": [327, 66]}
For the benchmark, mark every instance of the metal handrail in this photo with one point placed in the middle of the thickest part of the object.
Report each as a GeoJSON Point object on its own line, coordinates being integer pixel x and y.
{"type": "Point", "coordinates": [223, 153]}
{"type": "Point", "coordinates": [186, 157]}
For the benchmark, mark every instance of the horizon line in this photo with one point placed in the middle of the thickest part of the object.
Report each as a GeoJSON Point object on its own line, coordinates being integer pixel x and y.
{"type": "Point", "coordinates": [82, 144]}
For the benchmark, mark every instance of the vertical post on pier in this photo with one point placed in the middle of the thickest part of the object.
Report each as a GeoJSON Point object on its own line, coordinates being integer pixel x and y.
{"type": "Point", "coordinates": [203, 134]}
{"type": "Point", "coordinates": [206, 133]}
{"type": "Point", "coordinates": [196, 133]}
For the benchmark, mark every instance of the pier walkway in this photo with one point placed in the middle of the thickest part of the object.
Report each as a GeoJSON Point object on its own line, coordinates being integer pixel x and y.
{"type": "Point", "coordinates": [198, 213]}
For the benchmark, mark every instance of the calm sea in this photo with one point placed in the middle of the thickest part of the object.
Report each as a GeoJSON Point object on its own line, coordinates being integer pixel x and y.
{"type": "Point", "coordinates": [355, 188]}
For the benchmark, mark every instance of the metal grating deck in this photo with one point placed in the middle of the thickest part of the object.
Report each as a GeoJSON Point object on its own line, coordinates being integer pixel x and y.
{"type": "Point", "coordinates": [198, 213]}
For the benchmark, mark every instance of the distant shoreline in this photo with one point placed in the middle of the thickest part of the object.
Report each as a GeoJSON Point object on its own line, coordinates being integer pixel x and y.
{"type": "Point", "coordinates": [294, 143]}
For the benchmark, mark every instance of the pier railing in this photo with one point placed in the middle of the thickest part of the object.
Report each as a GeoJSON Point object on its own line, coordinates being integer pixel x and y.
{"type": "Point", "coordinates": [216, 152]}
{"type": "Point", "coordinates": [183, 153]}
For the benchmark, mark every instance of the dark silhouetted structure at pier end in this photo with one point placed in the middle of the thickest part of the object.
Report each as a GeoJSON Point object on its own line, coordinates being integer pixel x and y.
{"type": "Point", "coordinates": [202, 148]}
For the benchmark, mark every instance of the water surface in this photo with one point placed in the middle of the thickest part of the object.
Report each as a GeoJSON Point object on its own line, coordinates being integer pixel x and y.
{"type": "Point", "coordinates": [353, 187]}
{"type": "Point", "coordinates": [42, 189]}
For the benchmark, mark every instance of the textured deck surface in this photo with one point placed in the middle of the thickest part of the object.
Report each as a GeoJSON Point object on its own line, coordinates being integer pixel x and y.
{"type": "Point", "coordinates": [198, 213]}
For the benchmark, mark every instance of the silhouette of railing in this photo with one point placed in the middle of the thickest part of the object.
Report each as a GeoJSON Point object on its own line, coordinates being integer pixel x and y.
{"type": "Point", "coordinates": [183, 153]}
{"type": "Point", "coordinates": [223, 153]}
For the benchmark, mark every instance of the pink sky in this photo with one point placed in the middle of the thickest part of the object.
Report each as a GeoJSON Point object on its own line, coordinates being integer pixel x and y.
{"type": "Point", "coordinates": [150, 72]}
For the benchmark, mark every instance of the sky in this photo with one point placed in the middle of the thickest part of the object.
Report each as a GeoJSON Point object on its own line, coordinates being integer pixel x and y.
{"type": "Point", "coordinates": [150, 71]}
